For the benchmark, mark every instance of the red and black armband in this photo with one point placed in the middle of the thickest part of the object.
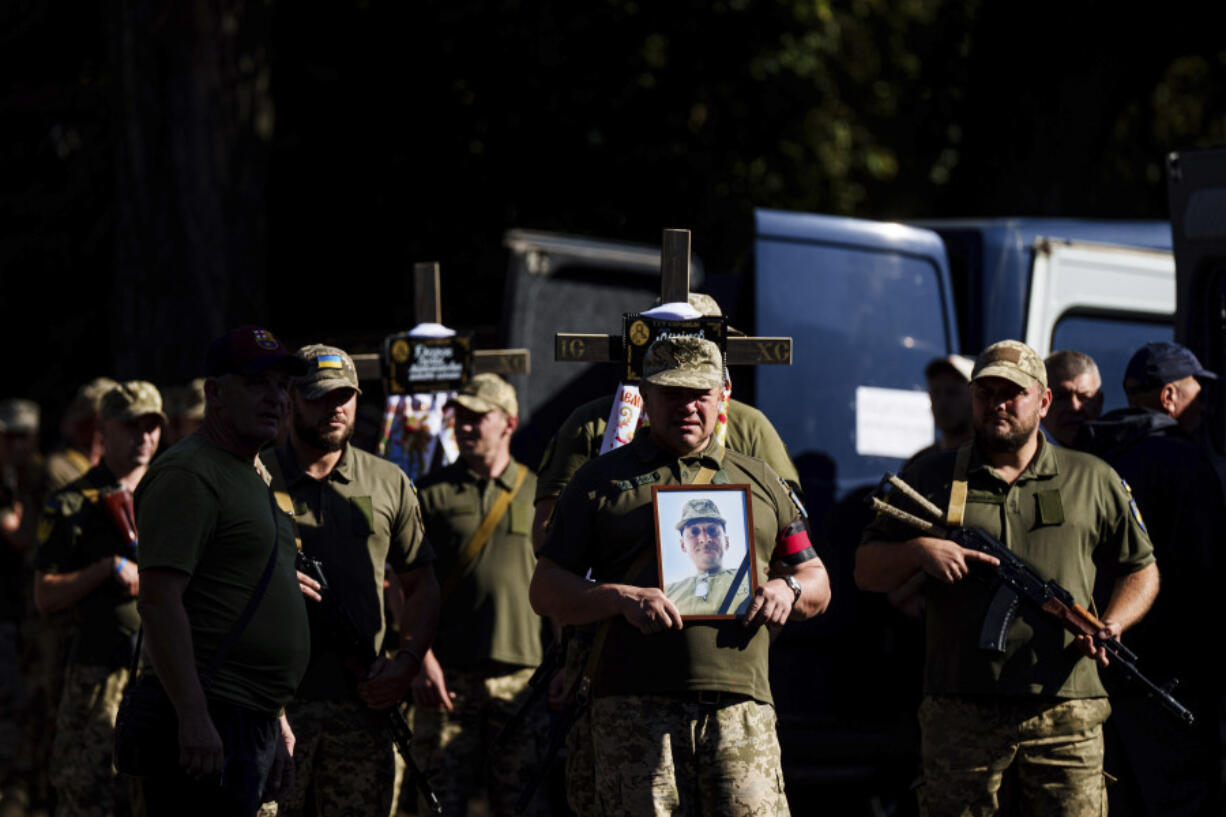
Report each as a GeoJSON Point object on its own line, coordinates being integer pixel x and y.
{"type": "Point", "coordinates": [793, 546]}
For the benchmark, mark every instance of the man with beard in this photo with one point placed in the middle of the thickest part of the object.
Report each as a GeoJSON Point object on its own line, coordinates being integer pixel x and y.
{"type": "Point", "coordinates": [358, 515]}
{"type": "Point", "coordinates": [86, 564]}
{"type": "Point", "coordinates": [1034, 713]}
{"type": "Point", "coordinates": [478, 514]}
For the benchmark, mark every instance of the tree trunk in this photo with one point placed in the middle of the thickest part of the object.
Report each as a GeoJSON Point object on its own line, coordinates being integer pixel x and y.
{"type": "Point", "coordinates": [193, 123]}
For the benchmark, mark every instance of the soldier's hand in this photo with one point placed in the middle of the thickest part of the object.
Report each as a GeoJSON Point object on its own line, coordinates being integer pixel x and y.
{"type": "Point", "coordinates": [388, 681]}
{"type": "Point", "coordinates": [128, 575]}
{"type": "Point", "coordinates": [1089, 645]}
{"type": "Point", "coordinates": [772, 604]}
{"type": "Point", "coordinates": [200, 750]}
{"type": "Point", "coordinates": [281, 776]}
{"type": "Point", "coordinates": [949, 561]}
{"type": "Point", "coordinates": [309, 587]}
{"type": "Point", "coordinates": [650, 610]}
{"type": "Point", "coordinates": [430, 687]}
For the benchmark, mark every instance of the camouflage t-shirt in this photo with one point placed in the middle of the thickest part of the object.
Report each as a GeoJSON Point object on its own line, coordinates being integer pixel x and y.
{"type": "Point", "coordinates": [1067, 514]}
{"type": "Point", "coordinates": [74, 533]}
{"type": "Point", "coordinates": [579, 439]}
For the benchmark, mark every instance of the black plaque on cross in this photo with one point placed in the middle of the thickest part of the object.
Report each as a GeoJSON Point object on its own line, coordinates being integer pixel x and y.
{"type": "Point", "coordinates": [579, 347]}
{"type": "Point", "coordinates": [413, 365]}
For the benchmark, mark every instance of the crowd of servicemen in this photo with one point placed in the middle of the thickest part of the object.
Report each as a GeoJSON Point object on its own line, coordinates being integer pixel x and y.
{"type": "Point", "coordinates": [156, 550]}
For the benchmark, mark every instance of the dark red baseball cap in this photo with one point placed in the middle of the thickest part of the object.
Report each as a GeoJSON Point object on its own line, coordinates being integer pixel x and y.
{"type": "Point", "coordinates": [250, 350]}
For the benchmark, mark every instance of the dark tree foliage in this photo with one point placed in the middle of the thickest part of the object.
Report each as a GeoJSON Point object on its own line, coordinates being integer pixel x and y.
{"type": "Point", "coordinates": [170, 169]}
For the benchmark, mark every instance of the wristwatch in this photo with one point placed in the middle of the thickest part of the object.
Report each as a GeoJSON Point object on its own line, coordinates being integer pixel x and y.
{"type": "Point", "coordinates": [796, 588]}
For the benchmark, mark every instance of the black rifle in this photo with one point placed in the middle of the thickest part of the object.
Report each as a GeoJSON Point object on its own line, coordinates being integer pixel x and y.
{"type": "Point", "coordinates": [1016, 581]}
{"type": "Point", "coordinates": [362, 651]}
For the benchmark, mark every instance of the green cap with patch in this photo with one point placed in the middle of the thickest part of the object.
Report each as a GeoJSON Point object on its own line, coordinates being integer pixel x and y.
{"type": "Point", "coordinates": [692, 363]}
{"type": "Point", "coordinates": [1011, 360]}
{"type": "Point", "coordinates": [328, 369]}
{"type": "Point", "coordinates": [130, 400]}
{"type": "Point", "coordinates": [486, 392]}
{"type": "Point", "coordinates": [700, 509]}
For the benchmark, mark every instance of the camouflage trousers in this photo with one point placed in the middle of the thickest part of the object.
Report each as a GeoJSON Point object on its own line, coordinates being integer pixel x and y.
{"type": "Point", "coordinates": [1049, 754]}
{"type": "Point", "coordinates": [342, 760]}
{"type": "Point", "coordinates": [456, 748]}
{"type": "Point", "coordinates": [680, 755]}
{"type": "Point", "coordinates": [86, 783]}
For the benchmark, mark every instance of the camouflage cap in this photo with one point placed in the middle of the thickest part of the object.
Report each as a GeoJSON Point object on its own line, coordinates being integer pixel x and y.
{"type": "Point", "coordinates": [700, 509]}
{"type": "Point", "coordinates": [328, 369]}
{"type": "Point", "coordinates": [88, 398]}
{"type": "Point", "coordinates": [19, 416]}
{"type": "Point", "coordinates": [1013, 361]}
{"type": "Point", "coordinates": [130, 400]}
{"type": "Point", "coordinates": [184, 401]}
{"type": "Point", "coordinates": [692, 363]}
{"type": "Point", "coordinates": [486, 392]}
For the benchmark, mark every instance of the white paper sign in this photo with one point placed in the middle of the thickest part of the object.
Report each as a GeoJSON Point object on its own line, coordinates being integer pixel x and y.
{"type": "Point", "coordinates": [892, 422]}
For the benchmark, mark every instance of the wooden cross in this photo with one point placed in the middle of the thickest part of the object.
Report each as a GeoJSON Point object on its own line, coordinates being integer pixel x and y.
{"type": "Point", "coordinates": [575, 347]}
{"type": "Point", "coordinates": [428, 308]}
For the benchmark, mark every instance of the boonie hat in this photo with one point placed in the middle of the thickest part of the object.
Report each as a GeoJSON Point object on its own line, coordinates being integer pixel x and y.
{"type": "Point", "coordinates": [692, 363]}
{"type": "Point", "coordinates": [19, 416]}
{"type": "Point", "coordinates": [135, 398]}
{"type": "Point", "coordinates": [328, 369]}
{"type": "Point", "coordinates": [486, 392]}
{"type": "Point", "coordinates": [1013, 361]}
{"type": "Point", "coordinates": [249, 350]}
{"type": "Point", "coordinates": [1156, 364]}
{"type": "Point", "coordinates": [700, 509]}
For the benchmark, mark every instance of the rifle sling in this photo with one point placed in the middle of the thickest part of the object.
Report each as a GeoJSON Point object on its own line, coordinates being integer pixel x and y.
{"type": "Point", "coordinates": [703, 477]}
{"type": "Point", "coordinates": [482, 535]}
{"type": "Point", "coordinates": [957, 492]}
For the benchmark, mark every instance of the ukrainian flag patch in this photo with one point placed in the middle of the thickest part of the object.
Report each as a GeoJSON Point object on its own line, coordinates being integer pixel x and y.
{"type": "Point", "coordinates": [328, 361]}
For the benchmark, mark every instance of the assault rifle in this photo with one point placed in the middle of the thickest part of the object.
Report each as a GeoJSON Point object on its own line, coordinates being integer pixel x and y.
{"type": "Point", "coordinates": [1016, 582]}
{"type": "Point", "coordinates": [362, 651]}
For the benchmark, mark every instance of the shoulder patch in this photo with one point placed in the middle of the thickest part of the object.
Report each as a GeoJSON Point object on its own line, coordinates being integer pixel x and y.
{"type": "Point", "coordinates": [1136, 513]}
{"type": "Point", "coordinates": [1124, 483]}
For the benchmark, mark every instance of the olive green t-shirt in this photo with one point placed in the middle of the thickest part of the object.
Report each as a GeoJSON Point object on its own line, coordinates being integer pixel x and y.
{"type": "Point", "coordinates": [360, 518]}
{"type": "Point", "coordinates": [704, 595]}
{"type": "Point", "coordinates": [210, 514]}
{"type": "Point", "coordinates": [1066, 515]}
{"type": "Point", "coordinates": [604, 519]}
{"type": "Point", "coordinates": [74, 533]}
{"type": "Point", "coordinates": [580, 437]}
{"type": "Point", "coordinates": [487, 617]}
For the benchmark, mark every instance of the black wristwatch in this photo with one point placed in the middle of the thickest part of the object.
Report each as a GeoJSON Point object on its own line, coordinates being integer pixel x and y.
{"type": "Point", "coordinates": [796, 588]}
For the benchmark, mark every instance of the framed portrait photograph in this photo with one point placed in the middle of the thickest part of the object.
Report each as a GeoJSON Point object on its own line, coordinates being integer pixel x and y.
{"type": "Point", "coordinates": [704, 548]}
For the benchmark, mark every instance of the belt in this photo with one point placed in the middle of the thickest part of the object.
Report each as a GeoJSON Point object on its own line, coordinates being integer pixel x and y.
{"type": "Point", "coordinates": [715, 697]}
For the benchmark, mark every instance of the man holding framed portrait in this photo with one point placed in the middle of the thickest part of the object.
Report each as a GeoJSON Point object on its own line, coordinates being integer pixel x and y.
{"type": "Point", "coordinates": [682, 716]}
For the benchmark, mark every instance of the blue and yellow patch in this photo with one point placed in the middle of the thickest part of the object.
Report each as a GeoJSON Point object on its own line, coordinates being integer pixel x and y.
{"type": "Point", "coordinates": [1136, 514]}
{"type": "Point", "coordinates": [328, 362]}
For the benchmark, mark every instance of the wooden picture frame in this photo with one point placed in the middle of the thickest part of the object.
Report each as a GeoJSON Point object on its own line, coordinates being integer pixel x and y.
{"type": "Point", "coordinates": [705, 583]}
